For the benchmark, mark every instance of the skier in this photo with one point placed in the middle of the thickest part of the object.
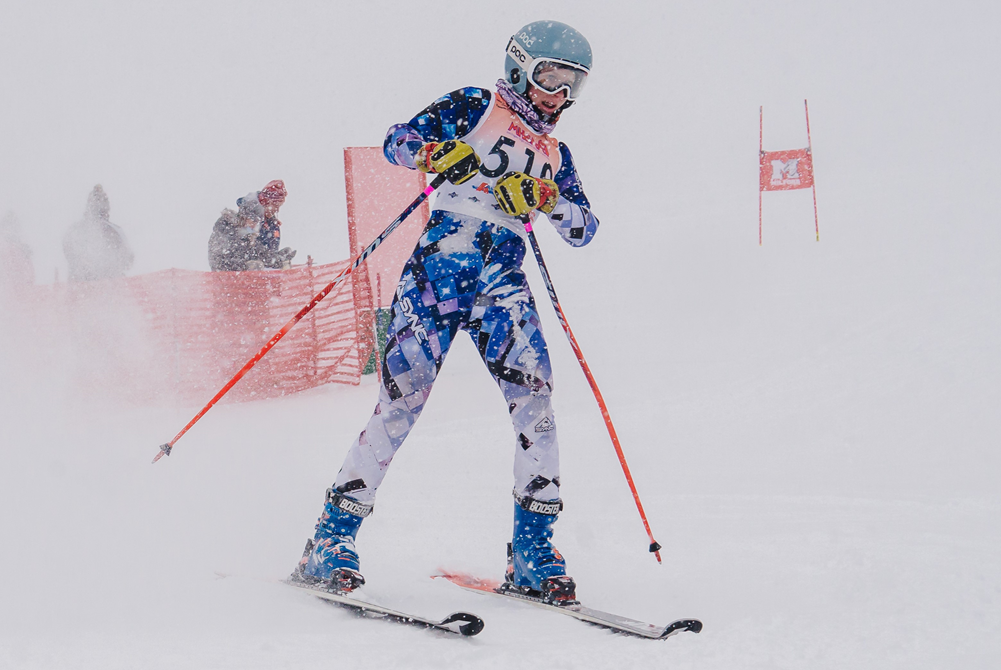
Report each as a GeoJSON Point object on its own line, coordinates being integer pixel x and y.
{"type": "Point", "coordinates": [465, 274]}
{"type": "Point", "coordinates": [94, 247]}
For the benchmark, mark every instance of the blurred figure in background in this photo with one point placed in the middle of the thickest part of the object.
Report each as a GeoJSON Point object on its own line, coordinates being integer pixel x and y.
{"type": "Point", "coordinates": [16, 268]}
{"type": "Point", "coordinates": [94, 247]}
{"type": "Point", "coordinates": [272, 197]}
{"type": "Point", "coordinates": [240, 240]}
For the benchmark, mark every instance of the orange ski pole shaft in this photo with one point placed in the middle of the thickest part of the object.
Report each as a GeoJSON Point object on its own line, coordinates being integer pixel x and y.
{"type": "Point", "coordinates": [654, 545]}
{"type": "Point", "coordinates": [438, 181]}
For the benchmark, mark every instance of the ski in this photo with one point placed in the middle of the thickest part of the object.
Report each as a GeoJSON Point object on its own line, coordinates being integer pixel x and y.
{"type": "Point", "coordinates": [613, 622]}
{"type": "Point", "coordinates": [459, 623]}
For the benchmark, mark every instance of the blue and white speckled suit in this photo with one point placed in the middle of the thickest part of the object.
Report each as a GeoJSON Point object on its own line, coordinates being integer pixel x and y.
{"type": "Point", "coordinates": [465, 275]}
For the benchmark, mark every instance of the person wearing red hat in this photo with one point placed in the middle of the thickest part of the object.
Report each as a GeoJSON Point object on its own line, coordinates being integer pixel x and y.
{"type": "Point", "coordinates": [272, 197]}
{"type": "Point", "coordinates": [239, 240]}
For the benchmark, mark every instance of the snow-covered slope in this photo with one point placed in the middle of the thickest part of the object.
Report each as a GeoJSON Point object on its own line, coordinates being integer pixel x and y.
{"type": "Point", "coordinates": [812, 426]}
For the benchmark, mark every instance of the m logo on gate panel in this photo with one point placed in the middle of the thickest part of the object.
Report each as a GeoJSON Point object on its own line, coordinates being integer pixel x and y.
{"type": "Point", "coordinates": [786, 170]}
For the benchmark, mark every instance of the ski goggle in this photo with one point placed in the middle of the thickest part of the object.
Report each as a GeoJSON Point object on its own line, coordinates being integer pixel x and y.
{"type": "Point", "coordinates": [552, 75]}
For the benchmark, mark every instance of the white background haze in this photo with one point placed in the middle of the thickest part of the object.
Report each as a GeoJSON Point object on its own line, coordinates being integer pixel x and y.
{"type": "Point", "coordinates": [814, 427]}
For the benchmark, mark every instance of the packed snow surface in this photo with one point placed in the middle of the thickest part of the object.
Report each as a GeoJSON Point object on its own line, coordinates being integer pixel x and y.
{"type": "Point", "coordinates": [813, 426]}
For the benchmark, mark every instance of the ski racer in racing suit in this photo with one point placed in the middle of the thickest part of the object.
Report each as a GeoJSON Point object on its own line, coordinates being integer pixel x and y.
{"type": "Point", "coordinates": [465, 274]}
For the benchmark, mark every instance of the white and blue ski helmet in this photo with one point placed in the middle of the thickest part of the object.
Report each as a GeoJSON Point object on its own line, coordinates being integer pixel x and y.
{"type": "Point", "coordinates": [549, 54]}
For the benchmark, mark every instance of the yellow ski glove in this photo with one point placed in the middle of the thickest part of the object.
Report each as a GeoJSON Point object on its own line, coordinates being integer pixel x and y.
{"type": "Point", "coordinates": [518, 194]}
{"type": "Point", "coordinates": [550, 195]}
{"type": "Point", "coordinates": [453, 158]}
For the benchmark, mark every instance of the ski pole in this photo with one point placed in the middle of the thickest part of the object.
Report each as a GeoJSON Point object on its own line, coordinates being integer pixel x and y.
{"type": "Point", "coordinates": [438, 181]}
{"type": "Point", "coordinates": [654, 545]}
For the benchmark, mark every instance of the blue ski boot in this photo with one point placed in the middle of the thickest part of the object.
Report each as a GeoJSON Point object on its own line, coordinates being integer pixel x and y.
{"type": "Point", "coordinates": [330, 558]}
{"type": "Point", "coordinates": [535, 567]}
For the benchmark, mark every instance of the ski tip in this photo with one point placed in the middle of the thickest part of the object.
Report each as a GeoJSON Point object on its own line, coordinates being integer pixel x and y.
{"type": "Point", "coordinates": [690, 625]}
{"type": "Point", "coordinates": [470, 626]}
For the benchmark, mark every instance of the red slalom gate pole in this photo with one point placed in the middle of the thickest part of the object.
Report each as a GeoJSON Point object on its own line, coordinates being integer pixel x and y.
{"type": "Point", "coordinates": [809, 144]}
{"type": "Point", "coordinates": [654, 545]}
{"type": "Point", "coordinates": [761, 150]}
{"type": "Point", "coordinates": [438, 181]}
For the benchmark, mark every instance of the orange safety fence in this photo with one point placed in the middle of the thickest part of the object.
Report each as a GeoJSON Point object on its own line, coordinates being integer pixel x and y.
{"type": "Point", "coordinates": [176, 336]}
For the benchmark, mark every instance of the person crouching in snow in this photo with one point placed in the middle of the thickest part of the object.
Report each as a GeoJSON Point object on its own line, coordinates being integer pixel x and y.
{"type": "Point", "coordinates": [465, 275]}
{"type": "Point", "coordinates": [236, 244]}
{"type": "Point", "coordinates": [233, 245]}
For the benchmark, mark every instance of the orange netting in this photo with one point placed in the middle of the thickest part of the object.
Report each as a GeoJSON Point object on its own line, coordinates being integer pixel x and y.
{"type": "Point", "coordinates": [177, 336]}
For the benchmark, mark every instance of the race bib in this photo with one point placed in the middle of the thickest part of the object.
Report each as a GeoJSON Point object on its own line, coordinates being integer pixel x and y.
{"type": "Point", "coordinates": [504, 144]}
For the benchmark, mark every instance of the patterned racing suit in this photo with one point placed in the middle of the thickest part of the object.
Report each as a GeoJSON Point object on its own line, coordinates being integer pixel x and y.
{"type": "Point", "coordinates": [465, 275]}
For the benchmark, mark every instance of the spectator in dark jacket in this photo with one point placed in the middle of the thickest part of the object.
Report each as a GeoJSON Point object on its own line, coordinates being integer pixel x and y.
{"type": "Point", "coordinates": [94, 247]}
{"type": "Point", "coordinates": [233, 244]}
{"type": "Point", "coordinates": [236, 244]}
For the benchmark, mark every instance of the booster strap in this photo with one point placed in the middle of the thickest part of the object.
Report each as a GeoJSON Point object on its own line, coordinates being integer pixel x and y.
{"type": "Point", "coordinates": [547, 507]}
{"type": "Point", "coordinates": [349, 505]}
